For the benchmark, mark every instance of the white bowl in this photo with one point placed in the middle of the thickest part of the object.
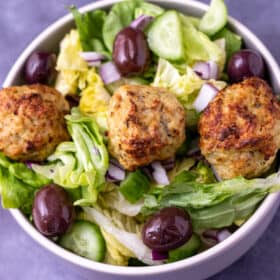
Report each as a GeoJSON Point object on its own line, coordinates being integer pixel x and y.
{"type": "Point", "coordinates": [197, 267]}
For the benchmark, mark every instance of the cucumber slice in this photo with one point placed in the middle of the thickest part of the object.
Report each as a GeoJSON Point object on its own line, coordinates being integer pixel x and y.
{"type": "Point", "coordinates": [165, 36]}
{"type": "Point", "coordinates": [215, 18]}
{"type": "Point", "coordinates": [187, 250]}
{"type": "Point", "coordinates": [86, 240]}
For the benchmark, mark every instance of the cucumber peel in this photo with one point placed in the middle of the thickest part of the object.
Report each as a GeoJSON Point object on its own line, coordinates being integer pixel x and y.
{"type": "Point", "coordinates": [215, 18]}
{"type": "Point", "coordinates": [165, 36]}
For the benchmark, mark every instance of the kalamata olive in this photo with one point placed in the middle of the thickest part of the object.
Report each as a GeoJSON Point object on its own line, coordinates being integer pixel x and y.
{"type": "Point", "coordinates": [244, 64]}
{"type": "Point", "coordinates": [53, 211]}
{"type": "Point", "coordinates": [40, 68]}
{"type": "Point", "coordinates": [131, 53]}
{"type": "Point", "coordinates": [168, 229]}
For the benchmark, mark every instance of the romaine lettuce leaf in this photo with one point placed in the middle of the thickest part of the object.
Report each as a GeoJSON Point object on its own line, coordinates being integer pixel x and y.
{"type": "Point", "coordinates": [148, 9]}
{"type": "Point", "coordinates": [213, 205]}
{"type": "Point", "coordinates": [81, 163]}
{"type": "Point", "coordinates": [233, 41]}
{"type": "Point", "coordinates": [18, 184]}
{"type": "Point", "coordinates": [89, 26]}
{"type": "Point", "coordinates": [198, 47]}
{"type": "Point", "coordinates": [120, 16]}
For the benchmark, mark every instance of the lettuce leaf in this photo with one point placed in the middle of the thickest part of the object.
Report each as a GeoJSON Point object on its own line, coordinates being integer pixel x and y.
{"type": "Point", "coordinates": [126, 236]}
{"type": "Point", "coordinates": [185, 83]}
{"type": "Point", "coordinates": [89, 26]}
{"type": "Point", "coordinates": [233, 41]}
{"type": "Point", "coordinates": [198, 46]}
{"type": "Point", "coordinates": [18, 184]}
{"type": "Point", "coordinates": [81, 163]}
{"type": "Point", "coordinates": [120, 16]}
{"type": "Point", "coordinates": [213, 205]}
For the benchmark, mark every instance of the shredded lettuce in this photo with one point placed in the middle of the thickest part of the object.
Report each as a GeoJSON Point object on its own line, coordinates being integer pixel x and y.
{"type": "Point", "coordinates": [212, 205]}
{"type": "Point", "coordinates": [184, 85]}
{"type": "Point", "coordinates": [81, 163]}
{"type": "Point", "coordinates": [95, 100]}
{"type": "Point", "coordinates": [72, 69]}
{"type": "Point", "coordinates": [128, 237]}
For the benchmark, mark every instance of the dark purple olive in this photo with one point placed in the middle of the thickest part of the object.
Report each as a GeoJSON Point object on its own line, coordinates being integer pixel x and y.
{"type": "Point", "coordinates": [168, 229]}
{"type": "Point", "coordinates": [245, 64]}
{"type": "Point", "coordinates": [53, 212]}
{"type": "Point", "coordinates": [131, 53]}
{"type": "Point", "coordinates": [40, 68]}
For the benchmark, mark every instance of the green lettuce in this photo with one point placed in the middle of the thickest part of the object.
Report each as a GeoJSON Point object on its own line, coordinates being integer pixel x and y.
{"type": "Point", "coordinates": [216, 204]}
{"type": "Point", "coordinates": [89, 26]}
{"type": "Point", "coordinates": [120, 16]}
{"type": "Point", "coordinates": [81, 163]}
{"type": "Point", "coordinates": [233, 41]}
{"type": "Point", "coordinates": [18, 184]}
{"type": "Point", "coordinates": [198, 46]}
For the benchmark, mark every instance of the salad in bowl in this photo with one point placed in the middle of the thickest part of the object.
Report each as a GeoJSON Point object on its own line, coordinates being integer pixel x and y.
{"type": "Point", "coordinates": [151, 136]}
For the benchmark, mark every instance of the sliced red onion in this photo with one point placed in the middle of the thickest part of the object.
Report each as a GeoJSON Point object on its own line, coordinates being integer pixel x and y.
{"type": "Point", "coordinates": [212, 237]}
{"type": "Point", "coordinates": [141, 22]}
{"type": "Point", "coordinates": [217, 176]}
{"type": "Point", "coordinates": [159, 173]}
{"type": "Point", "coordinates": [115, 174]}
{"type": "Point", "coordinates": [109, 72]}
{"type": "Point", "coordinates": [207, 70]}
{"type": "Point", "coordinates": [168, 164]}
{"type": "Point", "coordinates": [92, 56]}
{"type": "Point", "coordinates": [205, 95]}
{"type": "Point", "coordinates": [159, 256]}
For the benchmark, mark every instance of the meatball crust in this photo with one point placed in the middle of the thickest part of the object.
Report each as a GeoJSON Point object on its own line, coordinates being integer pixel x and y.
{"type": "Point", "coordinates": [31, 122]}
{"type": "Point", "coordinates": [145, 124]}
{"type": "Point", "coordinates": [240, 129]}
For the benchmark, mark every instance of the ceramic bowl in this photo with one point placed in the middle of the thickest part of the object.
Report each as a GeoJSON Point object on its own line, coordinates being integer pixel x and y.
{"type": "Point", "coordinates": [197, 267]}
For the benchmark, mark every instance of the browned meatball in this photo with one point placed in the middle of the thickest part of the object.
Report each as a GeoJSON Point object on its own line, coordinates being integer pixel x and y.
{"type": "Point", "coordinates": [145, 124]}
{"type": "Point", "coordinates": [31, 122]}
{"type": "Point", "coordinates": [240, 129]}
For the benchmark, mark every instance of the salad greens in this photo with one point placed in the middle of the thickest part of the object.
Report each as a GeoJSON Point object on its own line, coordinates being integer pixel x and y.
{"type": "Point", "coordinates": [18, 184]}
{"type": "Point", "coordinates": [81, 163]}
{"type": "Point", "coordinates": [213, 205]}
{"type": "Point", "coordinates": [111, 216]}
{"type": "Point", "coordinates": [120, 16]}
{"type": "Point", "coordinates": [232, 40]}
{"type": "Point", "coordinates": [89, 26]}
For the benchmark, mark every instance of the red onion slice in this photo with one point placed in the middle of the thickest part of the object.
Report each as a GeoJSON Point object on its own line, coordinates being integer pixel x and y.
{"type": "Point", "coordinates": [212, 237]}
{"type": "Point", "coordinates": [141, 22]}
{"type": "Point", "coordinates": [205, 95]}
{"type": "Point", "coordinates": [159, 173]}
{"type": "Point", "coordinates": [109, 73]}
{"type": "Point", "coordinates": [92, 56]}
{"type": "Point", "coordinates": [115, 174]}
{"type": "Point", "coordinates": [159, 256]}
{"type": "Point", "coordinates": [206, 70]}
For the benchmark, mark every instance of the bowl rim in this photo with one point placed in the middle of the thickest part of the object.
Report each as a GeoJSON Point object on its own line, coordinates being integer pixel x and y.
{"type": "Point", "coordinates": [227, 244]}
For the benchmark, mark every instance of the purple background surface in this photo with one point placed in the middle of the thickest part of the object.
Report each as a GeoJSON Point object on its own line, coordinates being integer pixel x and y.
{"type": "Point", "coordinates": [21, 257]}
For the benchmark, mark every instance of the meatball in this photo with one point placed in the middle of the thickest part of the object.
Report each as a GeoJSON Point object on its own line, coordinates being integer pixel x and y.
{"type": "Point", "coordinates": [145, 124]}
{"type": "Point", "coordinates": [240, 129]}
{"type": "Point", "coordinates": [31, 122]}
